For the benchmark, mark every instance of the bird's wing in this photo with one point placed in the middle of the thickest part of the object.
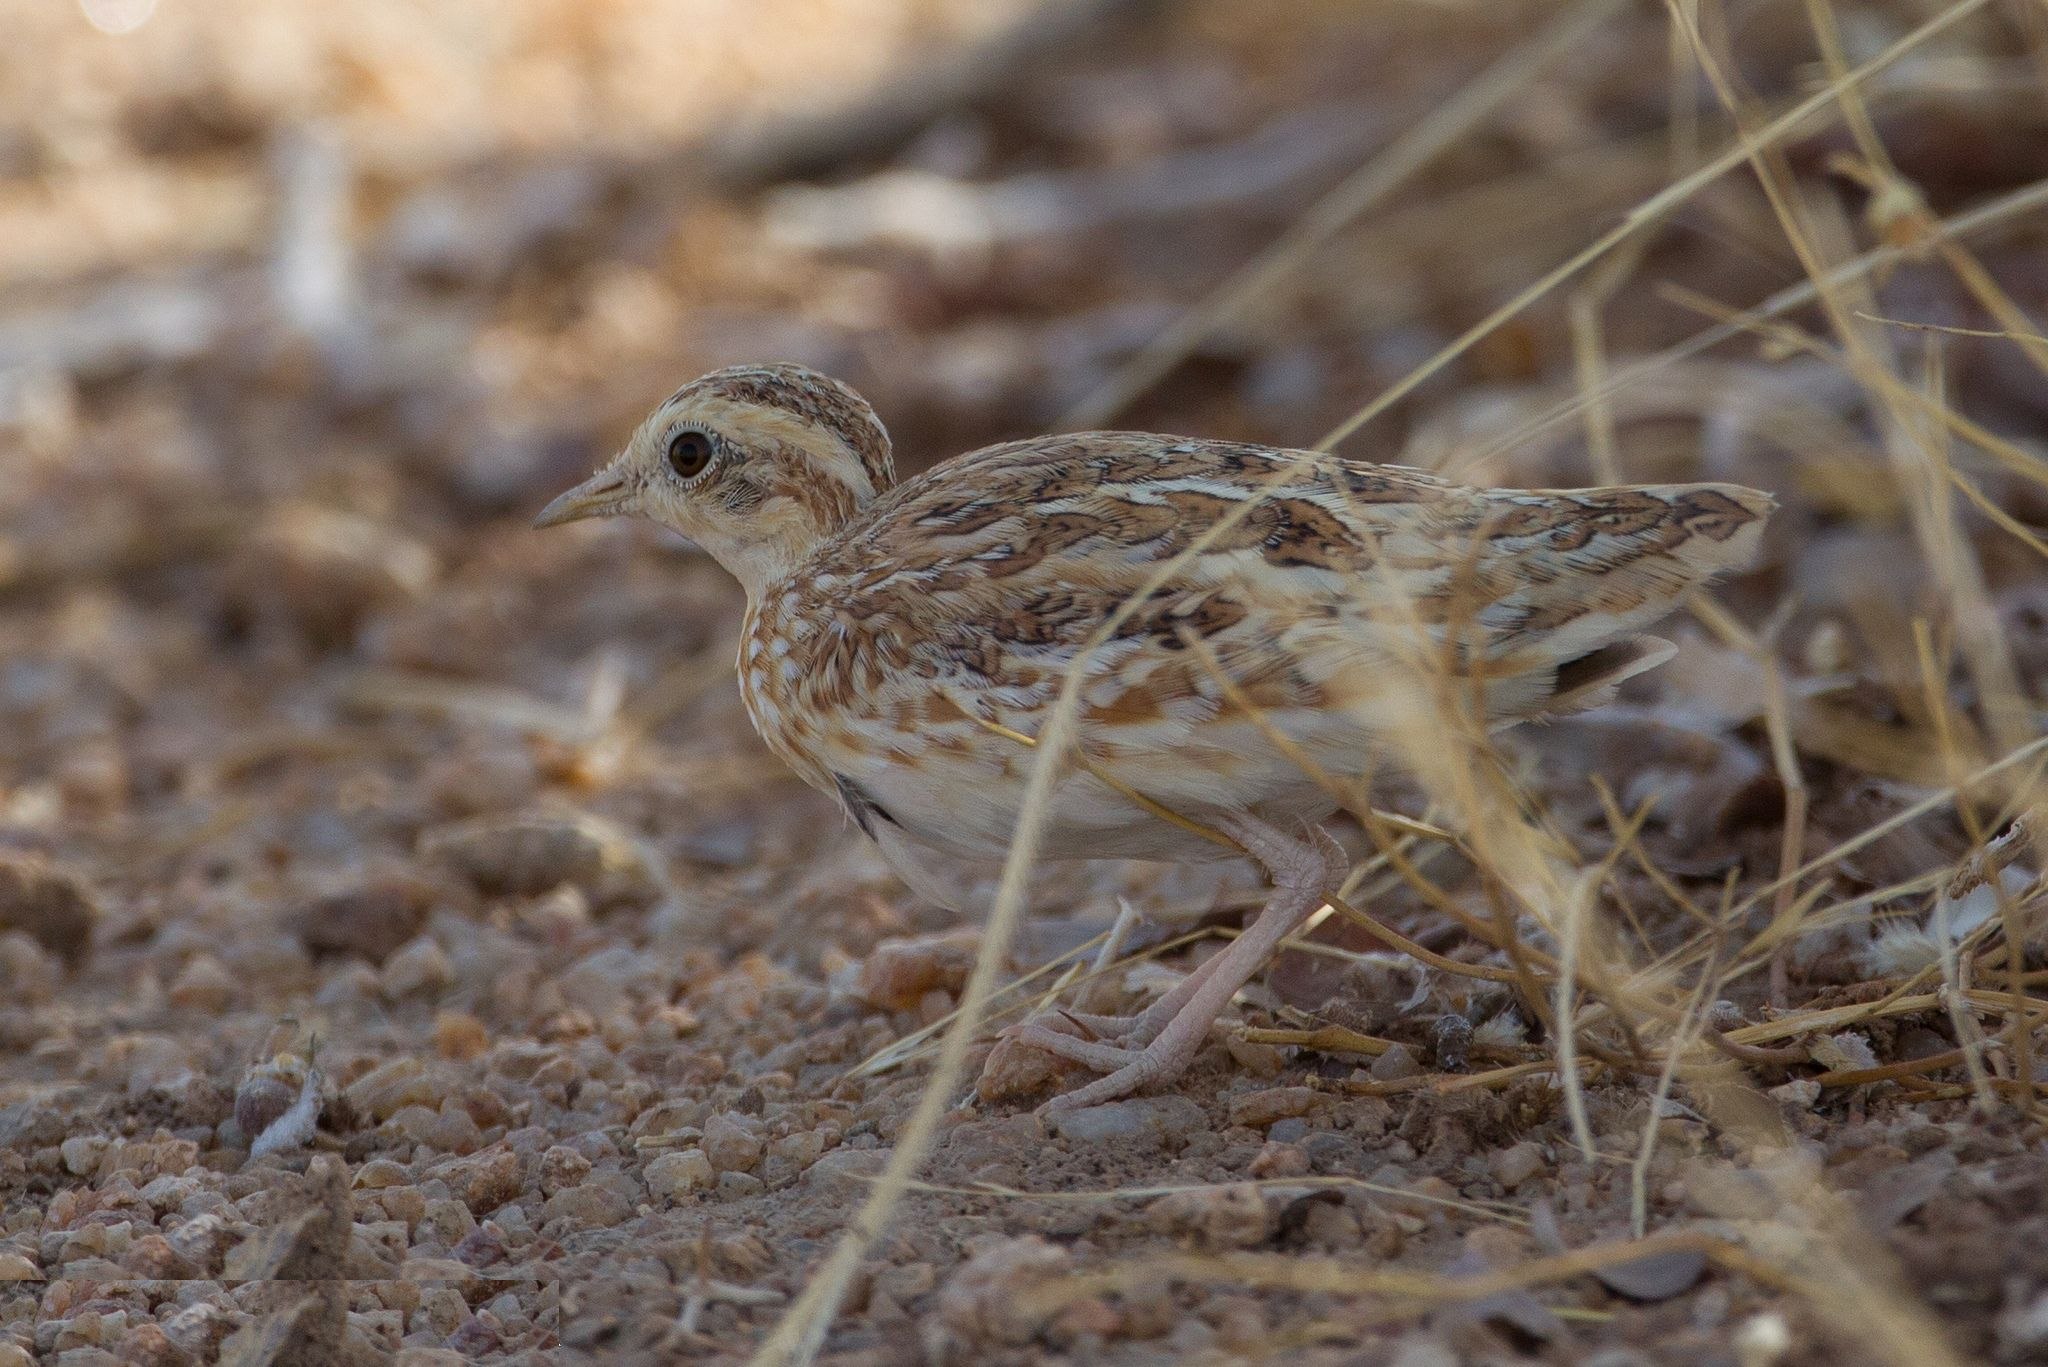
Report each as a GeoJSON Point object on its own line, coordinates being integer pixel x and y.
{"type": "Point", "coordinates": [967, 593]}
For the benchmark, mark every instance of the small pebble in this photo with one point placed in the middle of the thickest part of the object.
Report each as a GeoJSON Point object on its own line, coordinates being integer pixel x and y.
{"type": "Point", "coordinates": [1513, 1166]}
{"type": "Point", "coordinates": [1157, 1119]}
{"type": "Point", "coordinates": [486, 1180]}
{"type": "Point", "coordinates": [1257, 1110]}
{"type": "Point", "coordinates": [730, 1144]}
{"type": "Point", "coordinates": [54, 906]}
{"type": "Point", "coordinates": [734, 1186]}
{"type": "Point", "coordinates": [147, 1345]}
{"type": "Point", "coordinates": [447, 1220]}
{"type": "Point", "coordinates": [1330, 1224]}
{"type": "Point", "coordinates": [897, 975]}
{"type": "Point", "coordinates": [1618, 1357]}
{"type": "Point", "coordinates": [371, 921]}
{"type": "Point", "coordinates": [589, 1206]}
{"type": "Point", "coordinates": [82, 1153]}
{"type": "Point", "coordinates": [1423, 1350]}
{"type": "Point", "coordinates": [907, 1282]}
{"type": "Point", "coordinates": [421, 966]}
{"type": "Point", "coordinates": [321, 572]}
{"type": "Point", "coordinates": [1280, 1160]}
{"type": "Point", "coordinates": [1716, 1189]}
{"type": "Point", "coordinates": [1089, 1321]}
{"type": "Point", "coordinates": [460, 1036]}
{"type": "Point", "coordinates": [1394, 1065]}
{"type": "Point", "coordinates": [390, 1087]}
{"type": "Point", "coordinates": [449, 1129]}
{"type": "Point", "coordinates": [1799, 1094]}
{"type": "Point", "coordinates": [203, 985]}
{"type": "Point", "coordinates": [533, 854]}
{"type": "Point", "coordinates": [984, 1302]}
{"type": "Point", "coordinates": [846, 1170]}
{"type": "Point", "coordinates": [1229, 1216]}
{"type": "Point", "coordinates": [1259, 1060]}
{"type": "Point", "coordinates": [673, 1176]}
{"type": "Point", "coordinates": [562, 1167]}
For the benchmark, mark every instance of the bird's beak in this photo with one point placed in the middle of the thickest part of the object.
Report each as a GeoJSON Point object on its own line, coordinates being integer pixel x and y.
{"type": "Point", "coordinates": [605, 494]}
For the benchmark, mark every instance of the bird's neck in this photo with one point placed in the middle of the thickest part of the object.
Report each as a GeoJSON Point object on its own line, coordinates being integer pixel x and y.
{"type": "Point", "coordinates": [786, 531]}
{"type": "Point", "coordinates": [762, 565]}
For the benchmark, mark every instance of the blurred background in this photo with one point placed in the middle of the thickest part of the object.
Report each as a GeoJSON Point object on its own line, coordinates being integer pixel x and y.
{"type": "Point", "coordinates": [305, 309]}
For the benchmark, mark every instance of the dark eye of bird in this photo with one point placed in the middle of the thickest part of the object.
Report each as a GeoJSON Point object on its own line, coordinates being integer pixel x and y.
{"type": "Point", "coordinates": [689, 453]}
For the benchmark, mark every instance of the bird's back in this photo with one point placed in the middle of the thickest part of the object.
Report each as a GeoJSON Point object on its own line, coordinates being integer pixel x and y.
{"type": "Point", "coordinates": [959, 600]}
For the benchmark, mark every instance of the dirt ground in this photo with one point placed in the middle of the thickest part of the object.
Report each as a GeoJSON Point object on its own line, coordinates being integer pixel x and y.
{"type": "Point", "coordinates": [407, 952]}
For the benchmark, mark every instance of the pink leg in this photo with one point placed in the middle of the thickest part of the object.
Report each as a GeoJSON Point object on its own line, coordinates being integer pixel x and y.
{"type": "Point", "coordinates": [1044, 1029]}
{"type": "Point", "coordinates": [1301, 871]}
{"type": "Point", "coordinates": [1127, 919]}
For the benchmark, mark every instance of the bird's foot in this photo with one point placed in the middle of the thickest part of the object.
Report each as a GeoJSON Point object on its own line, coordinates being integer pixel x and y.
{"type": "Point", "coordinates": [1028, 1055]}
{"type": "Point", "coordinates": [1133, 1070]}
{"type": "Point", "coordinates": [1139, 1055]}
{"type": "Point", "coordinates": [1104, 1052]}
{"type": "Point", "coordinates": [1133, 1051]}
{"type": "Point", "coordinates": [1167, 1037]}
{"type": "Point", "coordinates": [1031, 1055]}
{"type": "Point", "coordinates": [1134, 1031]}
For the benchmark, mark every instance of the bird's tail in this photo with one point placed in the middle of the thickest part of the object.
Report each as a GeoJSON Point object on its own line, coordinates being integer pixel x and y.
{"type": "Point", "coordinates": [1600, 565]}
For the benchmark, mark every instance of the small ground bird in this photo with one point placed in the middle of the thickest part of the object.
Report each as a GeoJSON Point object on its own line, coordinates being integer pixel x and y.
{"type": "Point", "coordinates": [902, 639]}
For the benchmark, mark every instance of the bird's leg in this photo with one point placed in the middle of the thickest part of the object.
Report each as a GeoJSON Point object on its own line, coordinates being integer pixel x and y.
{"type": "Point", "coordinates": [1131, 1032]}
{"type": "Point", "coordinates": [1095, 1024]}
{"type": "Point", "coordinates": [1302, 871]}
{"type": "Point", "coordinates": [1127, 919]}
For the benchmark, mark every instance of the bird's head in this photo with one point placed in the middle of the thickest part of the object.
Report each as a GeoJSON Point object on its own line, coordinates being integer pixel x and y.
{"type": "Point", "coordinates": [756, 464]}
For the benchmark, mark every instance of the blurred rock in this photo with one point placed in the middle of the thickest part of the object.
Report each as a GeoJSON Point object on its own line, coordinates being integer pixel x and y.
{"type": "Point", "coordinates": [1230, 1216]}
{"type": "Point", "coordinates": [49, 903]}
{"type": "Point", "coordinates": [1516, 1164]}
{"type": "Point", "coordinates": [372, 920]}
{"type": "Point", "coordinates": [1159, 1120]}
{"type": "Point", "coordinates": [673, 1176]}
{"type": "Point", "coordinates": [529, 855]}
{"type": "Point", "coordinates": [983, 1301]}
{"type": "Point", "coordinates": [204, 984]}
{"type": "Point", "coordinates": [420, 967]}
{"type": "Point", "coordinates": [1257, 1110]}
{"type": "Point", "coordinates": [897, 974]}
{"type": "Point", "coordinates": [320, 572]}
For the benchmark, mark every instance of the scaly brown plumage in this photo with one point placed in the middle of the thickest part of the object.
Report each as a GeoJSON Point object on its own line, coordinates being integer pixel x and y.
{"type": "Point", "coordinates": [893, 629]}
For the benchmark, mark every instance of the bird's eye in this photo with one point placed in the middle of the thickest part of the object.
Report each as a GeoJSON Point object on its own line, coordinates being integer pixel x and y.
{"type": "Point", "coordinates": [689, 453]}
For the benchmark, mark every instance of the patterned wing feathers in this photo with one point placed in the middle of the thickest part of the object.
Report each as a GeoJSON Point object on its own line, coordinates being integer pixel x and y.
{"type": "Point", "coordinates": [977, 582]}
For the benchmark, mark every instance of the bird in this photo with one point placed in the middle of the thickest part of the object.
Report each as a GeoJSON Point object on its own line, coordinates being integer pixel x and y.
{"type": "Point", "coordinates": [905, 641]}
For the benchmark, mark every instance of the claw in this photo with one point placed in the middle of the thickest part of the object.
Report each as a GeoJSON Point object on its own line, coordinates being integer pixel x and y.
{"type": "Point", "coordinates": [1080, 1023]}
